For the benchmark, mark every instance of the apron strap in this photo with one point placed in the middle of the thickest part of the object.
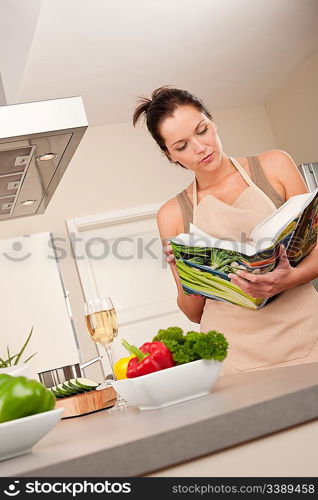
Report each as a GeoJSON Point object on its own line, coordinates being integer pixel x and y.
{"type": "Point", "coordinates": [195, 199]}
{"type": "Point", "coordinates": [245, 176]}
{"type": "Point", "coordinates": [252, 184]}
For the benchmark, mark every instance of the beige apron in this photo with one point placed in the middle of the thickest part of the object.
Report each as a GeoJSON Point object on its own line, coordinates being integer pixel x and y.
{"type": "Point", "coordinates": [284, 331]}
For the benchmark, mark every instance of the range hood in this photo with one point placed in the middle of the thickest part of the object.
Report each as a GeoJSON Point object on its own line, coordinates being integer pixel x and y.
{"type": "Point", "coordinates": [37, 142]}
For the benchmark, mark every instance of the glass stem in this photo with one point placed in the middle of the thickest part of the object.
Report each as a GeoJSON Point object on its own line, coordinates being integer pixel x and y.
{"type": "Point", "coordinates": [110, 359]}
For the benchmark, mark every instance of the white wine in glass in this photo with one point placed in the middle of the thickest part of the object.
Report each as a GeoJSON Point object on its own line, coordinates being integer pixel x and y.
{"type": "Point", "coordinates": [102, 325]}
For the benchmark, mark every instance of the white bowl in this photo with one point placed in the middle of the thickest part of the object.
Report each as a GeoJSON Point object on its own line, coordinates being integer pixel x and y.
{"type": "Point", "coordinates": [170, 386]}
{"type": "Point", "coordinates": [16, 370]}
{"type": "Point", "coordinates": [17, 437]}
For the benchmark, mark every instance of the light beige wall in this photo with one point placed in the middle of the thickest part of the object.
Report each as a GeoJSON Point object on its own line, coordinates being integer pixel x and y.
{"type": "Point", "coordinates": [293, 112]}
{"type": "Point", "coordinates": [118, 167]}
{"type": "Point", "coordinates": [244, 131]}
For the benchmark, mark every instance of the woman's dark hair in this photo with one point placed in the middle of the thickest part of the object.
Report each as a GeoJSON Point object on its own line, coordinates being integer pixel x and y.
{"type": "Point", "coordinates": [162, 104]}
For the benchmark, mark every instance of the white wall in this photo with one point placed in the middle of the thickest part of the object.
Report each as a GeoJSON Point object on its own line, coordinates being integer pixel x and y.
{"type": "Point", "coordinates": [293, 113]}
{"type": "Point", "coordinates": [244, 131]}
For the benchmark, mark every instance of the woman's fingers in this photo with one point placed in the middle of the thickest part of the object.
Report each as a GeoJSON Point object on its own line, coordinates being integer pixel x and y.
{"type": "Point", "coordinates": [170, 258]}
{"type": "Point", "coordinates": [167, 249]}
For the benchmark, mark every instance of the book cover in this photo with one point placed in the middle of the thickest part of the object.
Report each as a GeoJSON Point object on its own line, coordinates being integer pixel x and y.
{"type": "Point", "coordinates": [204, 262]}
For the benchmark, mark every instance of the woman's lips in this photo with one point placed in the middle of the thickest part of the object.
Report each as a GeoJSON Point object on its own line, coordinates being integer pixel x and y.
{"type": "Point", "coordinates": [207, 159]}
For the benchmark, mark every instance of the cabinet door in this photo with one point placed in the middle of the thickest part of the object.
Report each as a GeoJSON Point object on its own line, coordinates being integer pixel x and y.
{"type": "Point", "coordinates": [31, 294]}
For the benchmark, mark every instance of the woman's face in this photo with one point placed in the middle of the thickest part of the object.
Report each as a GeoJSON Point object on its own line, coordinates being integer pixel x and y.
{"type": "Point", "coordinates": [191, 139]}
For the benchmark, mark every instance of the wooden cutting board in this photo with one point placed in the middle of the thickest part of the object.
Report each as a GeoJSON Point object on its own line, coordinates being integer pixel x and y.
{"type": "Point", "coordinates": [88, 402]}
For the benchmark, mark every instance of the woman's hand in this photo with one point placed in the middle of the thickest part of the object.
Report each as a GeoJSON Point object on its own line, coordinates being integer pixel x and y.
{"type": "Point", "coordinates": [167, 250]}
{"type": "Point", "coordinates": [269, 284]}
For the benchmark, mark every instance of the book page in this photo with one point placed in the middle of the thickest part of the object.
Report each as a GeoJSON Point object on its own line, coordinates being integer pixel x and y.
{"type": "Point", "coordinates": [199, 238]}
{"type": "Point", "coordinates": [223, 260]}
{"type": "Point", "coordinates": [304, 238]}
{"type": "Point", "coordinates": [267, 232]}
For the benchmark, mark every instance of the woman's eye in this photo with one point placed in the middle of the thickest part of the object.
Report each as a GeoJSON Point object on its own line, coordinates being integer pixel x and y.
{"type": "Point", "coordinates": [202, 132]}
{"type": "Point", "coordinates": [182, 148]}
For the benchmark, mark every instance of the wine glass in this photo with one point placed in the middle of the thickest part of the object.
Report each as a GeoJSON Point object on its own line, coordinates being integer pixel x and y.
{"type": "Point", "coordinates": [102, 324]}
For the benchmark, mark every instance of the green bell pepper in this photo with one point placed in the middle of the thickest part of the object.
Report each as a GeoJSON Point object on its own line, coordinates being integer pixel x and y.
{"type": "Point", "coordinates": [21, 396]}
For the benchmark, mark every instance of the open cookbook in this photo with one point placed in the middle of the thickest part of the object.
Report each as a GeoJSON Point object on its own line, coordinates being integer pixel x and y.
{"type": "Point", "coordinates": [204, 262]}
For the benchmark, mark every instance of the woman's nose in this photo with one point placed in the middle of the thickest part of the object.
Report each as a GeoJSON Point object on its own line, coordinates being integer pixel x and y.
{"type": "Point", "coordinates": [197, 146]}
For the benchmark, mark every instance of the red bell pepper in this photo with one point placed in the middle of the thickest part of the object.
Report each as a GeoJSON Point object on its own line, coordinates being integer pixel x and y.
{"type": "Point", "coordinates": [150, 357]}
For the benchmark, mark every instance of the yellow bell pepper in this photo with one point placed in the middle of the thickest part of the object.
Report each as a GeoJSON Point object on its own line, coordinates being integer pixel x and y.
{"type": "Point", "coordinates": [120, 367]}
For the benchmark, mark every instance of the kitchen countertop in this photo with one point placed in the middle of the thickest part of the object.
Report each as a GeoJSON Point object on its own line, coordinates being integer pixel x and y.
{"type": "Point", "coordinates": [130, 442]}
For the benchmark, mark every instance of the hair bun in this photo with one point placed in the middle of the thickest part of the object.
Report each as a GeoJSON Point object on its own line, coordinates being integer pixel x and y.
{"type": "Point", "coordinates": [160, 90]}
{"type": "Point", "coordinates": [143, 107]}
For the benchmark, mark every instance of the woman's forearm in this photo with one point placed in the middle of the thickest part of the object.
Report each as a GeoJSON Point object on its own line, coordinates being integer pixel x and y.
{"type": "Point", "coordinates": [191, 306]}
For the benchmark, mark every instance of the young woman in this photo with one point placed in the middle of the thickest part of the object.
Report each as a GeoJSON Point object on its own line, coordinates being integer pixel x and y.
{"type": "Point", "coordinates": [227, 199]}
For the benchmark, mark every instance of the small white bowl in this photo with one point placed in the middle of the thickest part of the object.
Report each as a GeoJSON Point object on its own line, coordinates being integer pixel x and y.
{"type": "Point", "coordinates": [16, 370]}
{"type": "Point", "coordinates": [17, 437]}
{"type": "Point", "coordinates": [170, 386]}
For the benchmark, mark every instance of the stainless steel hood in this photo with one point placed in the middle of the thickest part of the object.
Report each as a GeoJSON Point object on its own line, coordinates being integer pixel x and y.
{"type": "Point", "coordinates": [37, 142]}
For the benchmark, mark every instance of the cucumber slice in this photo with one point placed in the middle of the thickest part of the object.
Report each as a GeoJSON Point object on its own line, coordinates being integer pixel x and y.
{"type": "Point", "coordinates": [87, 383]}
{"type": "Point", "coordinates": [56, 393]}
{"type": "Point", "coordinates": [67, 387]}
{"type": "Point", "coordinates": [60, 389]}
{"type": "Point", "coordinates": [73, 385]}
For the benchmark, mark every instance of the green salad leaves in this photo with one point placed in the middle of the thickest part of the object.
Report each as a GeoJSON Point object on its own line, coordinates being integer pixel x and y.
{"type": "Point", "coordinates": [192, 346]}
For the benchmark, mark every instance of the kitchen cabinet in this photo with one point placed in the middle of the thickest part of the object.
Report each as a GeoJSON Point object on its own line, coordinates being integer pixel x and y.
{"type": "Point", "coordinates": [32, 294]}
